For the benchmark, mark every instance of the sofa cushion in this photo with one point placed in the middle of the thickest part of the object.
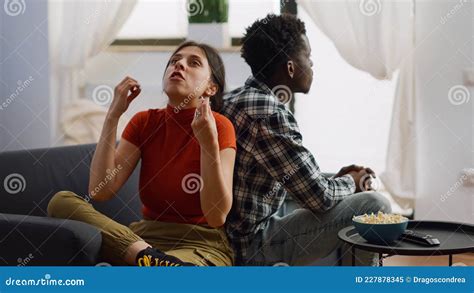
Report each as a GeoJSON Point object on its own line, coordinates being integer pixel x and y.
{"type": "Point", "coordinates": [31, 240]}
{"type": "Point", "coordinates": [29, 178]}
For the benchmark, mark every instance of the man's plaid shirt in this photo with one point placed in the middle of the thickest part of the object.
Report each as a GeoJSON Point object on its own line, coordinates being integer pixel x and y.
{"type": "Point", "coordinates": [271, 162]}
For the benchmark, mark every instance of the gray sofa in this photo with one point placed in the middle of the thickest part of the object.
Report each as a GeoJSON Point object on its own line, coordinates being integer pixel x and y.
{"type": "Point", "coordinates": [29, 178]}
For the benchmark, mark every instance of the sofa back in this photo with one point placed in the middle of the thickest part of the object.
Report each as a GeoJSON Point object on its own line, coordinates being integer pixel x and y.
{"type": "Point", "coordinates": [29, 178]}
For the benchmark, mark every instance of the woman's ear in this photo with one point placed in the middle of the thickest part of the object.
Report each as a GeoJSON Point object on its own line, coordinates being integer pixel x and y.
{"type": "Point", "coordinates": [211, 90]}
{"type": "Point", "coordinates": [291, 68]}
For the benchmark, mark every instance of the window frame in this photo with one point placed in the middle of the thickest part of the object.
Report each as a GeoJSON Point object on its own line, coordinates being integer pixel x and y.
{"type": "Point", "coordinates": [160, 42]}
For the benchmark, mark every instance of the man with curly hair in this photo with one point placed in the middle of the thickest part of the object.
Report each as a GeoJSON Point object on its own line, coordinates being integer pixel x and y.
{"type": "Point", "coordinates": [272, 162]}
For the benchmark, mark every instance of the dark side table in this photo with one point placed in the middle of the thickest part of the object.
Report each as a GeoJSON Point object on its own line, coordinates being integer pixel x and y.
{"type": "Point", "coordinates": [454, 238]}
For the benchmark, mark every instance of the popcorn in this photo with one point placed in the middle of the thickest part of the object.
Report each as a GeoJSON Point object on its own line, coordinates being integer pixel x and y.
{"type": "Point", "coordinates": [380, 218]}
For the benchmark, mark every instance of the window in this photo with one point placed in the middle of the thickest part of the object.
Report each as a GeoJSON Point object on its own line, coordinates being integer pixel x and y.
{"type": "Point", "coordinates": [167, 19]}
{"type": "Point", "coordinates": [345, 118]}
{"type": "Point", "coordinates": [156, 19]}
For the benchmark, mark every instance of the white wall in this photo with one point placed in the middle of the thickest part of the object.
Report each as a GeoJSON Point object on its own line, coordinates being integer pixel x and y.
{"type": "Point", "coordinates": [444, 32]}
{"type": "Point", "coordinates": [24, 76]}
{"type": "Point", "coordinates": [110, 67]}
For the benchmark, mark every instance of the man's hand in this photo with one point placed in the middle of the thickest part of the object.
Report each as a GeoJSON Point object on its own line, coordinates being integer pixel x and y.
{"type": "Point", "coordinates": [363, 179]}
{"type": "Point", "coordinates": [347, 169]}
{"type": "Point", "coordinates": [362, 176]}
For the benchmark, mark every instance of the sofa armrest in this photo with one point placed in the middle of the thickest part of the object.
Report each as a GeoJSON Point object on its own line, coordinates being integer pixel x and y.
{"type": "Point", "coordinates": [30, 240]}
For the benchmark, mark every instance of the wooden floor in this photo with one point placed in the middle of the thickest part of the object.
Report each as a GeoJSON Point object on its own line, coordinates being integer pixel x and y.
{"type": "Point", "coordinates": [398, 260]}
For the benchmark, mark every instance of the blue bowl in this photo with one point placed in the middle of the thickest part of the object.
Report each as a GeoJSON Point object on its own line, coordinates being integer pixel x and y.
{"type": "Point", "coordinates": [382, 234]}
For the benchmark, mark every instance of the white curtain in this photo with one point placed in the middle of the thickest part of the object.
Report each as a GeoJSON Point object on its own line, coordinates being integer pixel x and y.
{"type": "Point", "coordinates": [399, 176]}
{"type": "Point", "coordinates": [378, 37]}
{"type": "Point", "coordinates": [78, 30]}
{"type": "Point", "coordinates": [82, 122]}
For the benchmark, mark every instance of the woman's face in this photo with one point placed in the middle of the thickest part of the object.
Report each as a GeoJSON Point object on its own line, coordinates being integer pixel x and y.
{"type": "Point", "coordinates": [188, 75]}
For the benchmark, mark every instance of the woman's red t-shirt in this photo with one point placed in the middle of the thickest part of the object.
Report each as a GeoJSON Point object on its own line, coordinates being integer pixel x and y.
{"type": "Point", "coordinates": [170, 162]}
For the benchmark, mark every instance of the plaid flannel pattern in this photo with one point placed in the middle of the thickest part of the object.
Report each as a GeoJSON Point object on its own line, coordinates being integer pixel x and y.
{"type": "Point", "coordinates": [271, 162]}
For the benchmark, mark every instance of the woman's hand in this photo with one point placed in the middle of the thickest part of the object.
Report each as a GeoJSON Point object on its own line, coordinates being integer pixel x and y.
{"type": "Point", "coordinates": [125, 92]}
{"type": "Point", "coordinates": [204, 126]}
{"type": "Point", "coordinates": [217, 168]}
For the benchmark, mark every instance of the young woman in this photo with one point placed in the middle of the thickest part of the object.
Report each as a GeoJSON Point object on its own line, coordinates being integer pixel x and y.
{"type": "Point", "coordinates": [187, 152]}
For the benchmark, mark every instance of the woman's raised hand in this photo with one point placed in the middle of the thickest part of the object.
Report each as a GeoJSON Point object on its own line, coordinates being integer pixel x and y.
{"type": "Point", "coordinates": [125, 92]}
{"type": "Point", "coordinates": [204, 125]}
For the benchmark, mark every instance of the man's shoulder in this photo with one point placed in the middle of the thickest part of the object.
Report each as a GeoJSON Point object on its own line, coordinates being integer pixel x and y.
{"type": "Point", "coordinates": [254, 102]}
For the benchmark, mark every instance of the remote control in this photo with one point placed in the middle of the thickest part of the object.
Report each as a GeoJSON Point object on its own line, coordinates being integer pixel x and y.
{"type": "Point", "coordinates": [419, 238]}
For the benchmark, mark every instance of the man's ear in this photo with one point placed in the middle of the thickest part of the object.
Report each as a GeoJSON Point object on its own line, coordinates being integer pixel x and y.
{"type": "Point", "coordinates": [211, 90]}
{"type": "Point", "coordinates": [290, 66]}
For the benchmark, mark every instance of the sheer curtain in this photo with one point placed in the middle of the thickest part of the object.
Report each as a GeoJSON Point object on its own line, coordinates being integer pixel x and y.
{"type": "Point", "coordinates": [78, 30]}
{"type": "Point", "coordinates": [378, 37]}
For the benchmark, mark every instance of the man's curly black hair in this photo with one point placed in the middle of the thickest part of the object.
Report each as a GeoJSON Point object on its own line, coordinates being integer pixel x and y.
{"type": "Point", "coordinates": [268, 42]}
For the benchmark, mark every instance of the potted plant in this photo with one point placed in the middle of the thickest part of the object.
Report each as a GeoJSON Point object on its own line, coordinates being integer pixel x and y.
{"type": "Point", "coordinates": [208, 22]}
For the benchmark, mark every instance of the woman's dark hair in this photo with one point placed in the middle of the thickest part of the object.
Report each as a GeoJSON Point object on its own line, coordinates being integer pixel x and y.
{"type": "Point", "coordinates": [217, 70]}
{"type": "Point", "coordinates": [269, 42]}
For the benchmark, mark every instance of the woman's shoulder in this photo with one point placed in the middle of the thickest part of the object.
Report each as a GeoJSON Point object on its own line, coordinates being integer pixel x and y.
{"type": "Point", "coordinates": [222, 120]}
{"type": "Point", "coordinates": [226, 131]}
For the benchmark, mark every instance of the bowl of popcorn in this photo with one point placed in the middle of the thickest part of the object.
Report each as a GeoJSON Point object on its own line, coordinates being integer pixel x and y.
{"type": "Point", "coordinates": [380, 228]}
